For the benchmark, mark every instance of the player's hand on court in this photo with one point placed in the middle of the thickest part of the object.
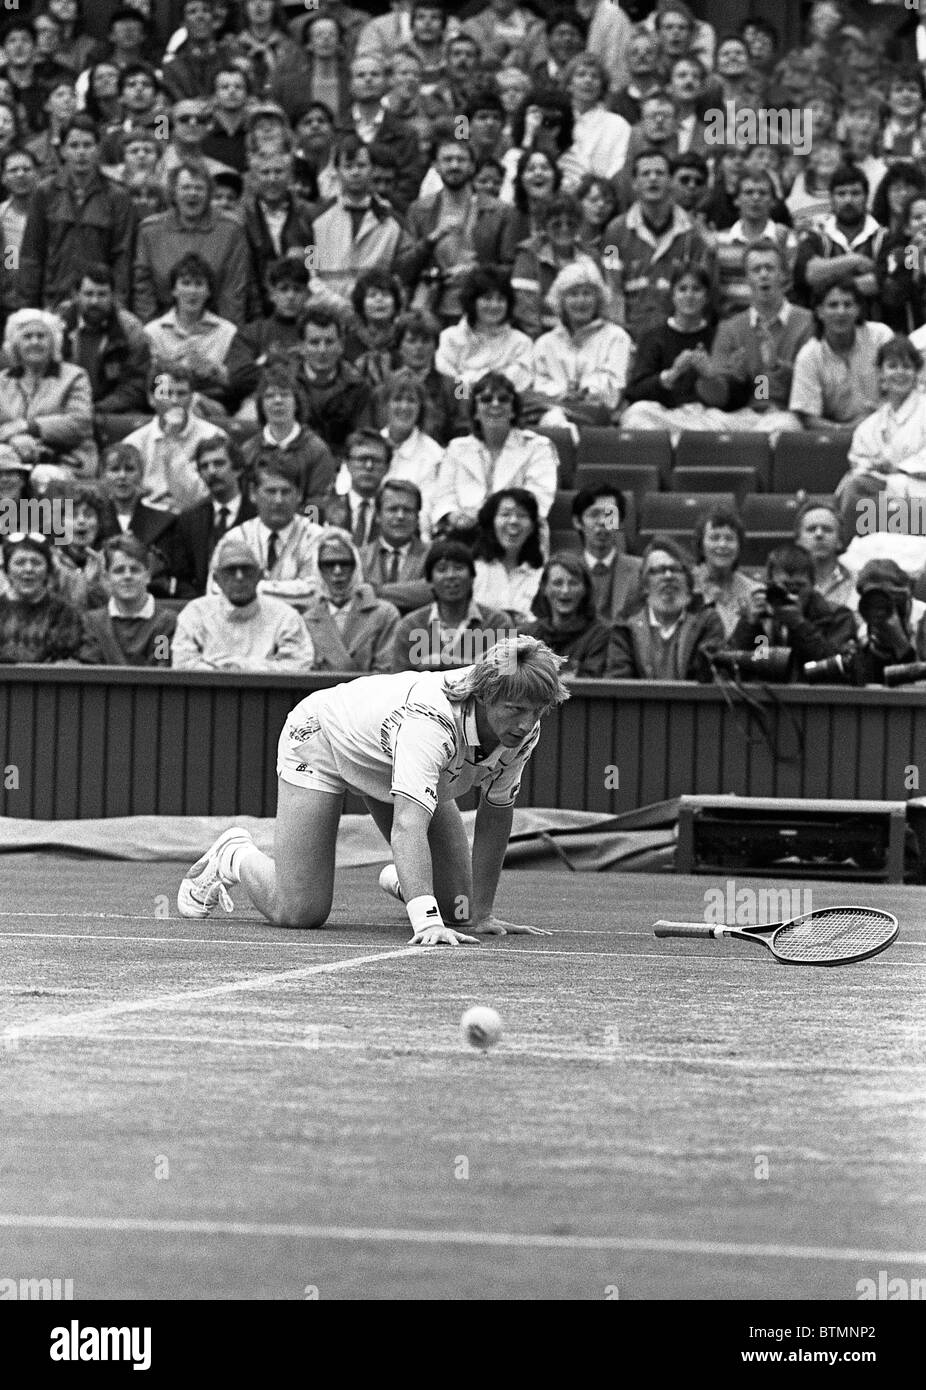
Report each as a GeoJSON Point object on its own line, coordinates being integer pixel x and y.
{"type": "Point", "coordinates": [442, 936]}
{"type": "Point", "coordinates": [494, 926]}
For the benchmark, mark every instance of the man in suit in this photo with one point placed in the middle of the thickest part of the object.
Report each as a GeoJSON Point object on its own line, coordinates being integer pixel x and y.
{"type": "Point", "coordinates": [368, 456]}
{"type": "Point", "coordinates": [278, 535]}
{"type": "Point", "coordinates": [126, 514]}
{"type": "Point", "coordinates": [597, 516]}
{"type": "Point", "coordinates": [220, 464]}
{"type": "Point", "coordinates": [394, 564]}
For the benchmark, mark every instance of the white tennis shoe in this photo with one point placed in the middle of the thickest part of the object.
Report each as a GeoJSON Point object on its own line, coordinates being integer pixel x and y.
{"type": "Point", "coordinates": [389, 882]}
{"type": "Point", "coordinates": [206, 885]}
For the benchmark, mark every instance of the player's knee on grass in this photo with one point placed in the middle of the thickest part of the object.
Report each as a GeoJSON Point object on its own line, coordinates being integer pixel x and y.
{"type": "Point", "coordinates": [300, 916]}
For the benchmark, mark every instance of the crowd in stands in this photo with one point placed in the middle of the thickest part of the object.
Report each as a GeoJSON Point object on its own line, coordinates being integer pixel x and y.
{"type": "Point", "coordinates": [302, 304]}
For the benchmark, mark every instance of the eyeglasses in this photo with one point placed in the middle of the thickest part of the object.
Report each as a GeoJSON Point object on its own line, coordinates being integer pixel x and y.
{"type": "Point", "coordinates": [189, 119]}
{"type": "Point", "coordinates": [690, 181]}
{"type": "Point", "coordinates": [337, 565]}
{"type": "Point", "coordinates": [491, 397]}
{"type": "Point", "coordinates": [658, 570]}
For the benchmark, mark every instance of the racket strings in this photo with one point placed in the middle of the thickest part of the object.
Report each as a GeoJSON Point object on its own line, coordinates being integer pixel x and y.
{"type": "Point", "coordinates": [834, 934]}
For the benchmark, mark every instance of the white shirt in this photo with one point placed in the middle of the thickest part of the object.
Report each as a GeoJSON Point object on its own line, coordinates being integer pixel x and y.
{"type": "Point", "coordinates": [402, 735]}
{"type": "Point", "coordinates": [512, 591]}
{"type": "Point", "coordinates": [465, 355]}
{"type": "Point", "coordinates": [417, 460]}
{"type": "Point", "coordinates": [599, 146]}
{"type": "Point", "coordinates": [468, 475]}
{"type": "Point", "coordinates": [595, 359]}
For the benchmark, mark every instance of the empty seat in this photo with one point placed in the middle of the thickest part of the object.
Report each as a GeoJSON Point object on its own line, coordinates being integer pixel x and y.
{"type": "Point", "coordinates": [629, 477]}
{"type": "Point", "coordinates": [639, 448]}
{"type": "Point", "coordinates": [566, 449]}
{"type": "Point", "coordinates": [768, 519]}
{"type": "Point", "coordinates": [716, 448]}
{"type": "Point", "coordinates": [676, 513]}
{"type": "Point", "coordinates": [809, 460]}
{"type": "Point", "coordinates": [738, 478]}
{"type": "Point", "coordinates": [560, 518]}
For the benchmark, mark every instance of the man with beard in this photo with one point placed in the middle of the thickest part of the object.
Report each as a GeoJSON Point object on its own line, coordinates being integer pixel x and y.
{"type": "Point", "coordinates": [665, 640]}
{"type": "Point", "coordinates": [110, 345]}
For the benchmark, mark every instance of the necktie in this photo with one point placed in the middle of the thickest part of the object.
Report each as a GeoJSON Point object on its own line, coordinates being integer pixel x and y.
{"type": "Point", "coordinates": [273, 550]}
{"type": "Point", "coordinates": [221, 525]}
{"type": "Point", "coordinates": [391, 565]}
{"type": "Point", "coordinates": [360, 525]}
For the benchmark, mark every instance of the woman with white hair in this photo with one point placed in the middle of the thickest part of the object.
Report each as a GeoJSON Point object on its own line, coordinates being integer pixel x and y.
{"type": "Point", "coordinates": [351, 629]}
{"type": "Point", "coordinates": [581, 366]}
{"type": "Point", "coordinates": [46, 405]}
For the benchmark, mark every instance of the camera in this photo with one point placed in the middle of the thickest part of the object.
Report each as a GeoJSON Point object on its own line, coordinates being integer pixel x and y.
{"type": "Point", "coordinates": [768, 664]}
{"type": "Point", "coordinates": [777, 595]}
{"type": "Point", "coordinates": [877, 605]}
{"type": "Point", "coordinates": [835, 670]}
{"type": "Point", "coordinates": [905, 675]}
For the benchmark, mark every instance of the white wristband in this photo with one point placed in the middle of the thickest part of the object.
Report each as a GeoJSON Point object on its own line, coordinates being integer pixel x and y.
{"type": "Point", "coordinates": [423, 912]}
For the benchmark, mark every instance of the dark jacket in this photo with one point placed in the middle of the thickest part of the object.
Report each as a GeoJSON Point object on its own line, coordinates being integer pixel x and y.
{"type": "Point", "coordinates": [584, 644]}
{"type": "Point", "coordinates": [120, 382]}
{"type": "Point", "coordinates": [191, 71]}
{"type": "Point", "coordinates": [162, 241]}
{"type": "Point", "coordinates": [656, 351]}
{"type": "Point", "coordinates": [410, 589]}
{"type": "Point", "coordinates": [64, 234]}
{"type": "Point", "coordinates": [310, 453]}
{"type": "Point", "coordinates": [493, 237]}
{"type": "Point", "coordinates": [153, 528]}
{"type": "Point", "coordinates": [820, 632]}
{"type": "Point", "coordinates": [131, 641]}
{"type": "Point", "coordinates": [190, 544]}
{"type": "Point", "coordinates": [397, 136]}
{"type": "Point", "coordinates": [296, 236]}
{"type": "Point", "coordinates": [335, 411]}
{"type": "Point", "coordinates": [700, 636]}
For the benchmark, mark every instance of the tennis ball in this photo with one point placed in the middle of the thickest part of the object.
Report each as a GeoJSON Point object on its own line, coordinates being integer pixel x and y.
{"type": "Point", "coordinates": [481, 1027]}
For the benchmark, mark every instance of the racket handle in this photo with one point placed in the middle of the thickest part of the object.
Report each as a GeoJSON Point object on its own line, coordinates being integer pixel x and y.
{"type": "Point", "coordinates": [682, 929]}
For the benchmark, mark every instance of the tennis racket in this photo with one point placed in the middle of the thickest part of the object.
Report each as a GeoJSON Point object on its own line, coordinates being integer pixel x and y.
{"type": "Point", "coordinates": [831, 936]}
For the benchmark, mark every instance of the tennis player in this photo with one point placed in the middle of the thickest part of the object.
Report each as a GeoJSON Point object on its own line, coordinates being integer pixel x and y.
{"type": "Point", "coordinates": [410, 745]}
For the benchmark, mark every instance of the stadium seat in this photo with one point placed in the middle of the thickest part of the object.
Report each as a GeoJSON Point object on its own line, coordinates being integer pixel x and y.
{"type": "Point", "coordinates": [560, 518]}
{"type": "Point", "coordinates": [564, 537]}
{"type": "Point", "coordinates": [739, 478]}
{"type": "Point", "coordinates": [716, 449]}
{"type": "Point", "coordinates": [809, 460]}
{"type": "Point", "coordinates": [650, 448]}
{"type": "Point", "coordinates": [676, 513]}
{"type": "Point", "coordinates": [566, 449]}
{"type": "Point", "coordinates": [768, 519]}
{"type": "Point", "coordinates": [629, 477]}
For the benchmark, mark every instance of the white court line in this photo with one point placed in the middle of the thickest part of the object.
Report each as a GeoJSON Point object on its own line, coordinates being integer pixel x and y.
{"type": "Point", "coordinates": [159, 1001]}
{"type": "Point", "coordinates": [507, 1239]}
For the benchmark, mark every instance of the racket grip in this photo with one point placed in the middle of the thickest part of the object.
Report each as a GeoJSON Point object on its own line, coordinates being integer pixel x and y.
{"type": "Point", "coordinates": [682, 929]}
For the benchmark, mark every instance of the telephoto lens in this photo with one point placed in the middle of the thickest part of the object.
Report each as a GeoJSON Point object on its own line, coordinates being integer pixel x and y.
{"type": "Point", "coordinates": [835, 670]}
{"type": "Point", "coordinates": [905, 675]}
{"type": "Point", "coordinates": [876, 605]}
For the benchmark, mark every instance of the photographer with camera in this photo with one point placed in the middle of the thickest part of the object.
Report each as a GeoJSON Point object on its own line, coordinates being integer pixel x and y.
{"type": "Point", "coordinates": [787, 612]}
{"type": "Point", "coordinates": [894, 632]}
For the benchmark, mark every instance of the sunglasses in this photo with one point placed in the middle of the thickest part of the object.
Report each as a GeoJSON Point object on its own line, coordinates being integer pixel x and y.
{"type": "Point", "coordinates": [337, 564]}
{"type": "Point", "coordinates": [690, 181]}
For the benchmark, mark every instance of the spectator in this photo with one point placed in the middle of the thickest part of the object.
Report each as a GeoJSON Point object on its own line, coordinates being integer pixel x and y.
{"type": "Point", "coordinates": [809, 201]}
{"type": "Point", "coordinates": [537, 178]}
{"type": "Point", "coordinates": [687, 80]}
{"type": "Point", "coordinates": [541, 258]}
{"type": "Point", "coordinates": [107, 342]}
{"type": "Point", "coordinates": [507, 33]}
{"type": "Point", "coordinates": [567, 619]}
{"type": "Point", "coordinates": [901, 138]}
{"type": "Point", "coordinates": [18, 175]}
{"type": "Point", "coordinates": [496, 454]}
{"type": "Point", "coordinates": [167, 443]}
{"type": "Point", "coordinates": [193, 67]}
{"type": "Point", "coordinates": [190, 224]}
{"type": "Point", "coordinates": [132, 629]}
{"type": "Point", "coordinates": [835, 384]}
{"type": "Point", "coordinates": [46, 409]}
{"type": "Point", "coordinates": [190, 334]}
{"type": "Point", "coordinates": [277, 333]}
{"type": "Point", "coordinates": [75, 48]}
{"type": "Point", "coordinates": [141, 110]}
{"type": "Point", "coordinates": [597, 516]}
{"type": "Point", "coordinates": [74, 218]}
{"type": "Point", "coordinates": [718, 207]}
{"type": "Point", "coordinates": [902, 270]}
{"type": "Point", "coordinates": [314, 171]}
{"type": "Point", "coordinates": [417, 335]}
{"type": "Point", "coordinates": [489, 177]}
{"type": "Point", "coordinates": [352, 504]}
{"type": "Point", "coordinates": [189, 126]}
{"type": "Point", "coordinates": [580, 368]}
{"type": "Point", "coordinates": [600, 138]}
{"type": "Point", "coordinates": [669, 638]}
{"type": "Point", "coordinates": [787, 611]}
{"type": "Point", "coordinates": [861, 129]}
{"type": "Point", "coordinates": [225, 140]}
{"type": "Point", "coordinates": [894, 633]}
{"type": "Point", "coordinates": [279, 537]}
{"type": "Point", "coordinates": [454, 630]}
{"type": "Point", "coordinates": [26, 72]}
{"type": "Point", "coordinates": [284, 435]}
{"type": "Point", "coordinates": [656, 132]}
{"type": "Point", "coordinates": [507, 552]}
{"type": "Point", "coordinates": [136, 158]}
{"type": "Point", "coordinates": [60, 108]}
{"type": "Point", "coordinates": [79, 564]}
{"type": "Point", "coordinates": [351, 629]}
{"type": "Point", "coordinates": [264, 44]}
{"type": "Point", "coordinates": [672, 358]}
{"type": "Point", "coordinates": [415, 455]}
{"type": "Point", "coordinates": [337, 399]}
{"type": "Point", "coordinates": [394, 563]}
{"type": "Point", "coordinates": [642, 59]}
{"type": "Point", "coordinates": [371, 119]}
{"type": "Point", "coordinates": [454, 230]}
{"type": "Point", "coordinates": [485, 339]}
{"type": "Point", "coordinates": [718, 542]}
{"type": "Point", "coordinates": [377, 302]}
{"type": "Point", "coordinates": [848, 242]}
{"type": "Point", "coordinates": [321, 74]}
{"type": "Point", "coordinates": [747, 385]}
{"type": "Point", "coordinates": [817, 530]}
{"type": "Point", "coordinates": [544, 121]}
{"type": "Point", "coordinates": [240, 628]}
{"type": "Point", "coordinates": [646, 245]}
{"type": "Point", "coordinates": [127, 514]}
{"type": "Point", "coordinates": [690, 177]}
{"type": "Point", "coordinates": [888, 449]}
{"type": "Point", "coordinates": [893, 194]}
{"type": "Point", "coordinates": [147, 195]}
{"type": "Point", "coordinates": [36, 626]}
{"type": "Point", "coordinates": [357, 231]}
{"type": "Point", "coordinates": [198, 529]}
{"type": "Point", "coordinates": [598, 201]}
{"type": "Point", "coordinates": [755, 195]}
{"type": "Point", "coordinates": [277, 222]}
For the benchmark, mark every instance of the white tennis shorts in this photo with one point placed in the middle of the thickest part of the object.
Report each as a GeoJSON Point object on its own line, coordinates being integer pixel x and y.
{"type": "Point", "coordinates": [308, 760]}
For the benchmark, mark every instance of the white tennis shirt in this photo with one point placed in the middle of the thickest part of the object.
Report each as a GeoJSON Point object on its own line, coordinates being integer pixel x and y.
{"type": "Point", "coordinates": [401, 735]}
